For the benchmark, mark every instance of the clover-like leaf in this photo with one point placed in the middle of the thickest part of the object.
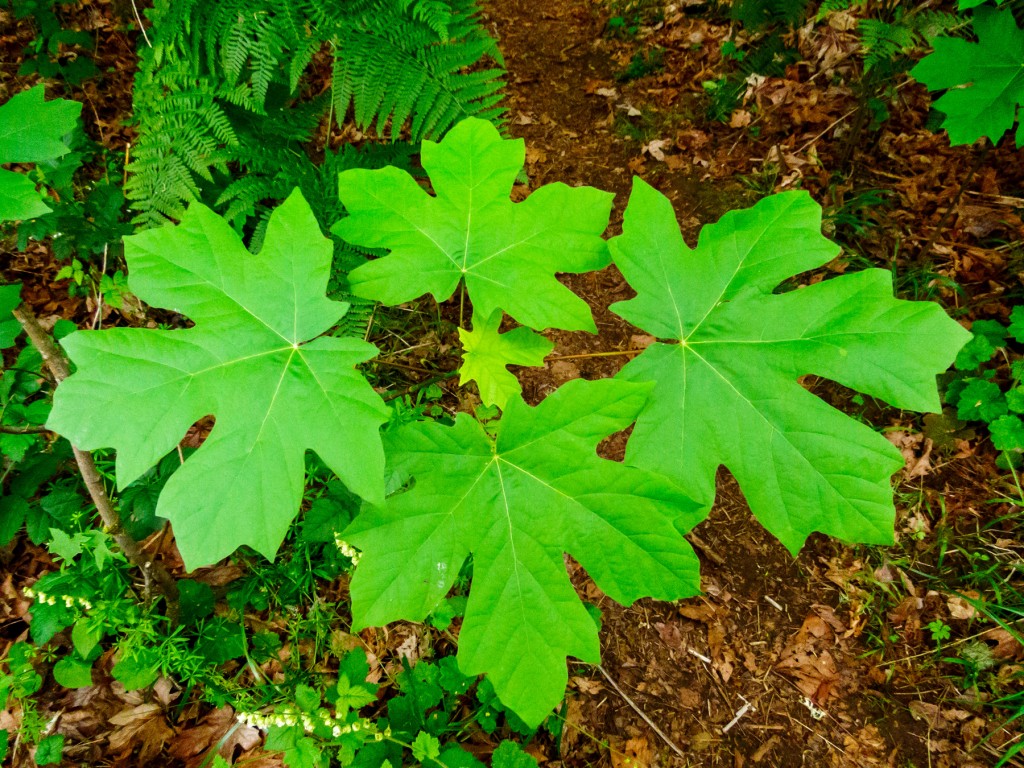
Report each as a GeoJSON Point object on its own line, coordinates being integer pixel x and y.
{"type": "Point", "coordinates": [32, 130]}
{"type": "Point", "coordinates": [981, 400]}
{"type": "Point", "coordinates": [1016, 329]}
{"type": "Point", "coordinates": [726, 392]}
{"type": "Point", "coordinates": [487, 352]}
{"type": "Point", "coordinates": [507, 253]}
{"type": "Point", "coordinates": [985, 79]}
{"type": "Point", "coordinates": [253, 360]}
{"type": "Point", "coordinates": [1015, 399]}
{"type": "Point", "coordinates": [1008, 433]}
{"type": "Point", "coordinates": [517, 503]}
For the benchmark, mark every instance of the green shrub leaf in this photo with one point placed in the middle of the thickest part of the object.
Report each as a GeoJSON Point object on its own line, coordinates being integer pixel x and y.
{"type": "Point", "coordinates": [508, 253]}
{"type": "Point", "coordinates": [253, 360]}
{"type": "Point", "coordinates": [487, 352]}
{"type": "Point", "coordinates": [517, 503]}
{"type": "Point", "coordinates": [985, 79]}
{"type": "Point", "coordinates": [10, 329]}
{"type": "Point", "coordinates": [49, 749]}
{"type": "Point", "coordinates": [32, 130]}
{"type": "Point", "coordinates": [73, 673]}
{"type": "Point", "coordinates": [727, 393]}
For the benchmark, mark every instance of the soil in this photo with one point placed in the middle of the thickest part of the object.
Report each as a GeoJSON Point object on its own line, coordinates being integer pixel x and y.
{"type": "Point", "coordinates": [816, 660]}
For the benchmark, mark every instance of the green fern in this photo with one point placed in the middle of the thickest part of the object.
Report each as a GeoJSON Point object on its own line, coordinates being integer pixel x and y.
{"type": "Point", "coordinates": [224, 81]}
{"type": "Point", "coordinates": [755, 15]}
{"type": "Point", "coordinates": [886, 43]}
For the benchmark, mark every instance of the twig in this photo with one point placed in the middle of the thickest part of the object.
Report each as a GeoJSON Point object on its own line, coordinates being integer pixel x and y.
{"type": "Point", "coordinates": [706, 548]}
{"type": "Point", "coordinates": [642, 714]}
{"type": "Point", "coordinates": [142, 29]}
{"type": "Point", "coordinates": [747, 706]}
{"type": "Point", "coordinates": [58, 365]}
{"type": "Point", "coordinates": [28, 429]}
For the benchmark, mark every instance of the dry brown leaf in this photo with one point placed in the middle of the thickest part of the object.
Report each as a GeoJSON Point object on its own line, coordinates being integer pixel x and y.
{"type": "Point", "coordinates": [142, 732]}
{"type": "Point", "coordinates": [587, 685]}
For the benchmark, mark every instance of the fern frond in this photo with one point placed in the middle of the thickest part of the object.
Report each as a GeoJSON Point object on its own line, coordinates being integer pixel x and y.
{"type": "Point", "coordinates": [219, 92]}
{"type": "Point", "coordinates": [436, 14]}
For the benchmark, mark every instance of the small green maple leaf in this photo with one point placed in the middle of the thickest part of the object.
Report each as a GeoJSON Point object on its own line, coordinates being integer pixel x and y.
{"type": "Point", "coordinates": [517, 503]}
{"type": "Point", "coordinates": [985, 79]}
{"type": "Point", "coordinates": [726, 392]}
{"type": "Point", "coordinates": [253, 360]}
{"type": "Point", "coordinates": [981, 400]}
{"type": "Point", "coordinates": [425, 747]}
{"type": "Point", "coordinates": [32, 130]}
{"type": "Point", "coordinates": [1007, 433]}
{"type": "Point", "coordinates": [507, 253]}
{"type": "Point", "coordinates": [351, 696]}
{"type": "Point", "coordinates": [66, 546]}
{"type": "Point", "coordinates": [487, 352]}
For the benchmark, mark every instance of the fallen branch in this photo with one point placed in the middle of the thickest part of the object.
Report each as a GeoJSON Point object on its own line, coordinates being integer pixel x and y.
{"type": "Point", "coordinates": [54, 359]}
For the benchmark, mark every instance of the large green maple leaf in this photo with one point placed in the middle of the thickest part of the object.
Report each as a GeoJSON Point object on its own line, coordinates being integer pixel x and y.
{"type": "Point", "coordinates": [32, 130]}
{"type": "Point", "coordinates": [255, 360]}
{"type": "Point", "coordinates": [986, 78]}
{"type": "Point", "coordinates": [517, 503]}
{"type": "Point", "coordinates": [507, 253]}
{"type": "Point", "coordinates": [727, 393]}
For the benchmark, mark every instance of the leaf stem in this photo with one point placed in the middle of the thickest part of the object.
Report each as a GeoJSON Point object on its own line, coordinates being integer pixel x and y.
{"type": "Point", "coordinates": [594, 354]}
{"type": "Point", "coordinates": [112, 522]}
{"type": "Point", "coordinates": [420, 385]}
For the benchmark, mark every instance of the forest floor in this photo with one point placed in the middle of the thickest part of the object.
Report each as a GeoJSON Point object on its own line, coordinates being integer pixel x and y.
{"type": "Point", "coordinates": [829, 650]}
{"type": "Point", "coordinates": [825, 659]}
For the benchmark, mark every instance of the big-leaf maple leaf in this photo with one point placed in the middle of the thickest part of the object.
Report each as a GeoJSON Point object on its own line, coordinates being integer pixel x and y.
{"type": "Point", "coordinates": [727, 391]}
{"type": "Point", "coordinates": [508, 253]}
{"type": "Point", "coordinates": [517, 503]}
{"type": "Point", "coordinates": [253, 360]}
{"type": "Point", "coordinates": [986, 78]}
{"type": "Point", "coordinates": [487, 352]}
{"type": "Point", "coordinates": [32, 130]}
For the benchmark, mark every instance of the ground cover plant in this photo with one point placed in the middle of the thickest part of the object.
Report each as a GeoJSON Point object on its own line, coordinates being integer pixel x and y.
{"type": "Point", "coordinates": [485, 535]}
